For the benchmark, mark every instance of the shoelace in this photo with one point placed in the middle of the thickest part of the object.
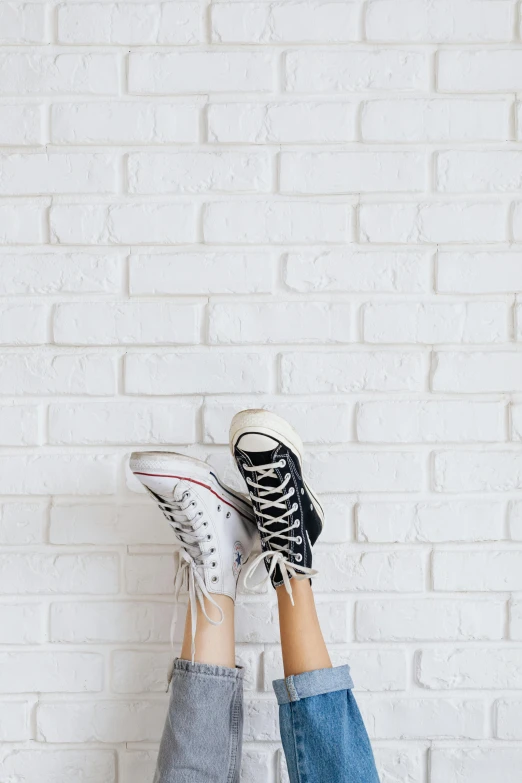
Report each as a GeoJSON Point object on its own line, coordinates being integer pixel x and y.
{"type": "Point", "coordinates": [278, 553]}
{"type": "Point", "coordinates": [187, 530]}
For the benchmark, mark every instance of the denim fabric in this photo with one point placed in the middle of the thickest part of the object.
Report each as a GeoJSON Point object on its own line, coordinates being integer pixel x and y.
{"type": "Point", "coordinates": [203, 732]}
{"type": "Point", "coordinates": [323, 734]}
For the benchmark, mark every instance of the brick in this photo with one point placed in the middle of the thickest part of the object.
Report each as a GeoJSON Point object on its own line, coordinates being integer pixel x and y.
{"type": "Point", "coordinates": [21, 124]}
{"type": "Point", "coordinates": [288, 322]}
{"type": "Point", "coordinates": [14, 721]}
{"type": "Point", "coordinates": [262, 23]}
{"type": "Point", "coordinates": [48, 574]}
{"type": "Point", "coordinates": [110, 621]}
{"type": "Point", "coordinates": [479, 172]}
{"type": "Point", "coordinates": [19, 425]}
{"type": "Point", "coordinates": [263, 123]}
{"type": "Point", "coordinates": [484, 70]}
{"type": "Point", "coordinates": [201, 273]}
{"type": "Point", "coordinates": [182, 373]}
{"type": "Point", "coordinates": [339, 513]}
{"type": "Point", "coordinates": [23, 324]}
{"type": "Point", "coordinates": [499, 371]}
{"type": "Point", "coordinates": [100, 721]}
{"type": "Point", "coordinates": [90, 766]}
{"type": "Point", "coordinates": [441, 669]}
{"type": "Point", "coordinates": [517, 222]}
{"type": "Point", "coordinates": [22, 23]}
{"type": "Point", "coordinates": [439, 21]}
{"type": "Point", "coordinates": [22, 523]}
{"type": "Point", "coordinates": [479, 273]}
{"type": "Point", "coordinates": [261, 720]}
{"type": "Point", "coordinates": [353, 270]}
{"type": "Point", "coordinates": [199, 72]}
{"type": "Point", "coordinates": [428, 521]}
{"type": "Point", "coordinates": [60, 474]}
{"type": "Point", "coordinates": [140, 672]}
{"type": "Point", "coordinates": [439, 119]}
{"type": "Point", "coordinates": [113, 224]}
{"type": "Point", "coordinates": [22, 224]}
{"type": "Point", "coordinates": [403, 765]}
{"type": "Point", "coordinates": [414, 718]}
{"type": "Point", "coordinates": [42, 173]}
{"type": "Point", "coordinates": [108, 525]}
{"type": "Point", "coordinates": [454, 765]}
{"type": "Point", "coordinates": [355, 71]}
{"type": "Point", "coordinates": [342, 570]}
{"type": "Point", "coordinates": [50, 672]}
{"type": "Point", "coordinates": [53, 273]}
{"type": "Point", "coordinates": [430, 421]}
{"type": "Point", "coordinates": [120, 122]}
{"type": "Point", "coordinates": [256, 623]}
{"type": "Point", "coordinates": [493, 471]}
{"type": "Point", "coordinates": [199, 172]}
{"type": "Point", "coordinates": [137, 765]}
{"type": "Point", "coordinates": [129, 23]}
{"type": "Point", "coordinates": [46, 373]}
{"type": "Point", "coordinates": [509, 719]}
{"type": "Point", "coordinates": [515, 520]}
{"type": "Point", "coordinates": [21, 623]}
{"type": "Point", "coordinates": [413, 223]}
{"type": "Point", "coordinates": [276, 222]}
{"type": "Point", "coordinates": [477, 571]}
{"type": "Point", "coordinates": [516, 619]}
{"type": "Point", "coordinates": [364, 471]}
{"type": "Point", "coordinates": [350, 372]}
{"type": "Point", "coordinates": [429, 619]}
{"type": "Point", "coordinates": [150, 574]}
{"type": "Point", "coordinates": [48, 74]}
{"type": "Point", "coordinates": [256, 765]}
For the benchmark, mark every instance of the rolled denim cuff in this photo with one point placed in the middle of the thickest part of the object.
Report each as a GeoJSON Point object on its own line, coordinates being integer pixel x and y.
{"type": "Point", "coordinates": [302, 686]}
{"type": "Point", "coordinates": [187, 667]}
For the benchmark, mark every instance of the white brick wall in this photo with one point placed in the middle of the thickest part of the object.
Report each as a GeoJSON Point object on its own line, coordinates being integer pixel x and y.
{"type": "Point", "coordinates": [309, 206]}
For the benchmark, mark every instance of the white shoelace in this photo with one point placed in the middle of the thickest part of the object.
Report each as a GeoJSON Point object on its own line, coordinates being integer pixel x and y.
{"type": "Point", "coordinates": [278, 553]}
{"type": "Point", "coordinates": [188, 529]}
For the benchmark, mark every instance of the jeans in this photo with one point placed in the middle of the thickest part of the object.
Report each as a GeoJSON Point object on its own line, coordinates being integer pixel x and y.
{"type": "Point", "coordinates": [323, 735]}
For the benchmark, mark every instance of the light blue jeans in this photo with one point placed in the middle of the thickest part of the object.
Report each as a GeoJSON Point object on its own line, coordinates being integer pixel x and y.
{"type": "Point", "coordinates": [323, 735]}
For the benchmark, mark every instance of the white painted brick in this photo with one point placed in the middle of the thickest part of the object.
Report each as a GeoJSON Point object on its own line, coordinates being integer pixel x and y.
{"type": "Point", "coordinates": [364, 471]}
{"type": "Point", "coordinates": [22, 523]}
{"type": "Point", "coordinates": [493, 471]}
{"type": "Point", "coordinates": [122, 423]}
{"type": "Point", "coordinates": [201, 273]}
{"type": "Point", "coordinates": [21, 124]}
{"type": "Point", "coordinates": [355, 71]}
{"type": "Point", "coordinates": [404, 765]}
{"type": "Point", "coordinates": [107, 525]}
{"type": "Point", "coordinates": [261, 720]}
{"type": "Point", "coordinates": [182, 373]}
{"type": "Point", "coordinates": [442, 619]}
{"type": "Point", "coordinates": [39, 173]}
{"type": "Point", "coordinates": [137, 765]}
{"type": "Point", "coordinates": [129, 23]}
{"type": "Point", "coordinates": [21, 623]}
{"type": "Point", "coordinates": [199, 172]}
{"type": "Point", "coordinates": [276, 222]}
{"type": "Point", "coordinates": [439, 21]}
{"type": "Point", "coordinates": [288, 322]}
{"type": "Point", "coordinates": [429, 521]}
{"type": "Point", "coordinates": [44, 373]}
{"type": "Point", "coordinates": [352, 172]}
{"type": "Point", "coordinates": [499, 371]}
{"type": "Point", "coordinates": [256, 765]}
{"type": "Point", "coordinates": [351, 372]}
{"type": "Point", "coordinates": [516, 422]}
{"type": "Point", "coordinates": [438, 119]}
{"type": "Point", "coordinates": [342, 570]}
{"type": "Point", "coordinates": [113, 224]}
{"type": "Point", "coordinates": [139, 672]}
{"type": "Point", "coordinates": [509, 719]}
{"type": "Point", "coordinates": [483, 70]}
{"type": "Point", "coordinates": [199, 72]}
{"type": "Point", "coordinates": [19, 425]}
{"type": "Point", "coordinates": [262, 123]}
{"type": "Point", "coordinates": [430, 421]}
{"type": "Point", "coordinates": [455, 765]}
{"type": "Point", "coordinates": [14, 721]}
{"type": "Point", "coordinates": [57, 474]}
{"type": "Point", "coordinates": [353, 270]}
{"type": "Point", "coordinates": [53, 273]}
{"type": "Point", "coordinates": [517, 222]}
{"type": "Point", "coordinates": [262, 23]}
{"type": "Point", "coordinates": [122, 122]}
{"type": "Point", "coordinates": [435, 322]}
{"type": "Point", "coordinates": [339, 513]}
{"type": "Point", "coordinates": [477, 571]}
{"type": "Point", "coordinates": [479, 172]}
{"type": "Point", "coordinates": [443, 669]}
{"type": "Point", "coordinates": [111, 621]}
{"type": "Point", "coordinates": [516, 619]}
{"type": "Point", "coordinates": [515, 520]}
{"type": "Point", "coordinates": [50, 672]}
{"type": "Point", "coordinates": [100, 721]}
{"type": "Point", "coordinates": [433, 222]}
{"type": "Point", "coordinates": [150, 574]}
{"type": "Point", "coordinates": [48, 74]}
{"type": "Point", "coordinates": [316, 423]}
{"type": "Point", "coordinates": [415, 718]}
{"type": "Point", "coordinates": [55, 573]}
{"type": "Point", "coordinates": [256, 622]}
{"type": "Point", "coordinates": [479, 273]}
{"type": "Point", "coordinates": [22, 23]}
{"type": "Point", "coordinates": [57, 765]}
{"type": "Point", "coordinates": [22, 224]}
{"type": "Point", "coordinates": [23, 324]}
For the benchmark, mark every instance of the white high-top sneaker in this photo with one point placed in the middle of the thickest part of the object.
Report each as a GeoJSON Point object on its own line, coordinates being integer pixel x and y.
{"type": "Point", "coordinates": [214, 525]}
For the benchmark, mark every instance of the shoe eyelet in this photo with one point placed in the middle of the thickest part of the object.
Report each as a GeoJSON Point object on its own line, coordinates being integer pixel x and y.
{"type": "Point", "coordinates": [287, 475]}
{"type": "Point", "coordinates": [209, 537]}
{"type": "Point", "coordinates": [292, 491]}
{"type": "Point", "coordinates": [296, 523]}
{"type": "Point", "coordinates": [200, 513]}
{"type": "Point", "coordinates": [311, 507]}
{"type": "Point", "coordinates": [282, 463]}
{"type": "Point", "coordinates": [295, 507]}
{"type": "Point", "coordinates": [212, 550]}
{"type": "Point", "coordinates": [193, 503]}
{"type": "Point", "coordinates": [213, 564]}
{"type": "Point", "coordinates": [219, 507]}
{"type": "Point", "coordinates": [214, 579]}
{"type": "Point", "coordinates": [298, 557]}
{"type": "Point", "coordinates": [298, 540]}
{"type": "Point", "coordinates": [205, 524]}
{"type": "Point", "coordinates": [228, 515]}
{"type": "Point", "coordinates": [302, 490]}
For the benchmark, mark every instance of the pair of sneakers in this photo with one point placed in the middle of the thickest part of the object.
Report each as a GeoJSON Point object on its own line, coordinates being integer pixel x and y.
{"type": "Point", "coordinates": [217, 527]}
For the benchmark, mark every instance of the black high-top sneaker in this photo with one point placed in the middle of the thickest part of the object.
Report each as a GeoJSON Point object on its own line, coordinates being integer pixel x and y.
{"type": "Point", "coordinates": [289, 516]}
